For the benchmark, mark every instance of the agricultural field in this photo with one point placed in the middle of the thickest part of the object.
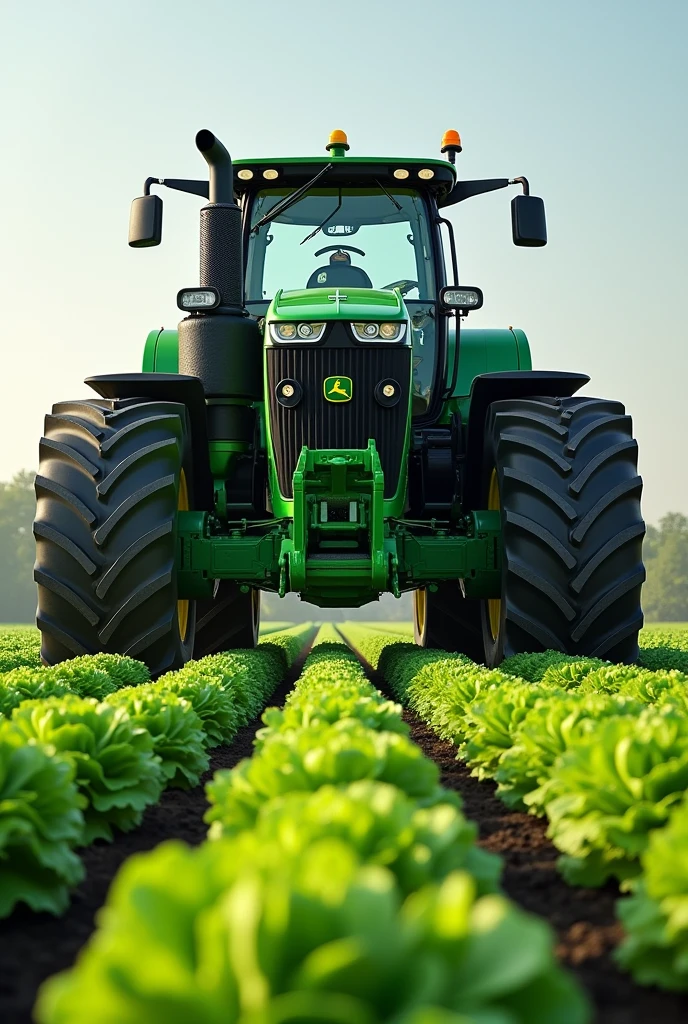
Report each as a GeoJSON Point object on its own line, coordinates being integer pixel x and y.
{"type": "Point", "coordinates": [341, 827]}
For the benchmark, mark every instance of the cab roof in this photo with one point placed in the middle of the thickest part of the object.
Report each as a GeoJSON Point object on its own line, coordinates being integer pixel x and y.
{"type": "Point", "coordinates": [349, 171]}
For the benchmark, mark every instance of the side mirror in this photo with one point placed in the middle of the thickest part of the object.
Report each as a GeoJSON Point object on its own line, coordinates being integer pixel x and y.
{"type": "Point", "coordinates": [145, 222]}
{"type": "Point", "coordinates": [528, 224]}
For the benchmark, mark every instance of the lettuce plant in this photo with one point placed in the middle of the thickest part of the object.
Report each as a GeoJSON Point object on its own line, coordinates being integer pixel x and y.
{"type": "Point", "coordinates": [176, 730]}
{"type": "Point", "coordinates": [546, 730]}
{"type": "Point", "coordinates": [328, 704]}
{"type": "Point", "coordinates": [213, 704]}
{"type": "Point", "coordinates": [122, 670]}
{"type": "Point", "coordinates": [655, 916]}
{"type": "Point", "coordinates": [611, 788]}
{"type": "Point", "coordinates": [83, 678]}
{"type": "Point", "coordinates": [492, 720]}
{"type": "Point", "coordinates": [664, 649]}
{"type": "Point", "coordinates": [220, 940]}
{"type": "Point", "coordinates": [28, 684]}
{"type": "Point", "coordinates": [115, 765]}
{"type": "Point", "coordinates": [287, 644]}
{"type": "Point", "coordinates": [19, 647]}
{"type": "Point", "coordinates": [40, 822]}
{"type": "Point", "coordinates": [384, 826]}
{"type": "Point", "coordinates": [302, 760]}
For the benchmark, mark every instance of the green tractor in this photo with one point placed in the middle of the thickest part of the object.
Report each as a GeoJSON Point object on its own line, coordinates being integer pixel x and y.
{"type": "Point", "coordinates": [322, 423]}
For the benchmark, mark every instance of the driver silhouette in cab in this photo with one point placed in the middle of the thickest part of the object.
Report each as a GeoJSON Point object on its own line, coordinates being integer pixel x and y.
{"type": "Point", "coordinates": [339, 273]}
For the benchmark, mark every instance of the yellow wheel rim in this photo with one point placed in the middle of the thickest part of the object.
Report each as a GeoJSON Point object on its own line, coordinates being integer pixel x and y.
{"type": "Point", "coordinates": [420, 604]}
{"type": "Point", "coordinates": [183, 606]}
{"type": "Point", "coordinates": [494, 604]}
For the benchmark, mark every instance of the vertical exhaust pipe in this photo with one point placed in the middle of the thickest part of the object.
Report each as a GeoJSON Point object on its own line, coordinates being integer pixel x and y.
{"type": "Point", "coordinates": [223, 347]}
{"type": "Point", "coordinates": [221, 249]}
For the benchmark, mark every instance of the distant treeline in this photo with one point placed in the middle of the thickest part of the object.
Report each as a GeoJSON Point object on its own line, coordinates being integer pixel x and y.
{"type": "Point", "coordinates": [665, 596]}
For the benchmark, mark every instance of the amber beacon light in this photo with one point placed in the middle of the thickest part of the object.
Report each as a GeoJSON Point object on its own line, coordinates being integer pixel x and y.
{"type": "Point", "coordinates": [338, 143]}
{"type": "Point", "coordinates": [451, 144]}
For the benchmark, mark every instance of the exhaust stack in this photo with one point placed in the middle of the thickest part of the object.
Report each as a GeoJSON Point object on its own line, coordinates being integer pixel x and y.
{"type": "Point", "coordinates": [223, 347]}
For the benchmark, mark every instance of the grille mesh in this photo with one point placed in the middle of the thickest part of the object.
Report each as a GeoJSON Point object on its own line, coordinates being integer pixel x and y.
{"type": "Point", "coordinates": [320, 424]}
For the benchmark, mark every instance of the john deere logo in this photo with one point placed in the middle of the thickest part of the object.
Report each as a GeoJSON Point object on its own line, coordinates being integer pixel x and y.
{"type": "Point", "coordinates": [338, 389]}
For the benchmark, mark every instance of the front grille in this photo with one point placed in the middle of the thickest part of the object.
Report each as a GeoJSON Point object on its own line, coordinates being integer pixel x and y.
{"type": "Point", "coordinates": [320, 424]}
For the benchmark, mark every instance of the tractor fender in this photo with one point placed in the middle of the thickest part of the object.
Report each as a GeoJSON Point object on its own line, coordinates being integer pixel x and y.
{"type": "Point", "coordinates": [495, 387]}
{"type": "Point", "coordinates": [169, 387]}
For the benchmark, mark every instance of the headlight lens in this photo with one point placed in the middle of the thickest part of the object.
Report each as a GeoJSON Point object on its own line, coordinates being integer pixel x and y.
{"type": "Point", "coordinates": [297, 332]}
{"type": "Point", "coordinates": [381, 332]}
{"type": "Point", "coordinates": [390, 332]}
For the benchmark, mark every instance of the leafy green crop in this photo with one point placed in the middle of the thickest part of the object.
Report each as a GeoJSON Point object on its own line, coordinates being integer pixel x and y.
{"type": "Point", "coordinates": [384, 826]}
{"type": "Point", "coordinates": [547, 729]}
{"type": "Point", "coordinates": [40, 823]}
{"type": "Point", "coordinates": [122, 670]}
{"type": "Point", "coordinates": [287, 643]}
{"type": "Point", "coordinates": [327, 705]}
{"type": "Point", "coordinates": [333, 687]}
{"type": "Point", "coordinates": [493, 718]}
{"type": "Point", "coordinates": [115, 766]}
{"type": "Point", "coordinates": [83, 679]}
{"type": "Point", "coordinates": [220, 940]}
{"type": "Point", "coordinates": [28, 684]}
{"type": "Point", "coordinates": [664, 649]}
{"type": "Point", "coordinates": [175, 728]}
{"type": "Point", "coordinates": [19, 647]}
{"type": "Point", "coordinates": [227, 690]}
{"type": "Point", "coordinates": [611, 788]}
{"type": "Point", "coordinates": [214, 705]}
{"type": "Point", "coordinates": [302, 760]}
{"type": "Point", "coordinates": [655, 916]}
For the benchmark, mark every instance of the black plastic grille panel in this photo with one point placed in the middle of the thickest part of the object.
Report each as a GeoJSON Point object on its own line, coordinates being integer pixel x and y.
{"type": "Point", "coordinates": [320, 424]}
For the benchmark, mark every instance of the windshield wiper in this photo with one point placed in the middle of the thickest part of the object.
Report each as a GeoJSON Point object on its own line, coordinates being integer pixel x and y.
{"type": "Point", "coordinates": [289, 200]}
{"type": "Point", "coordinates": [390, 197]}
{"type": "Point", "coordinates": [321, 226]}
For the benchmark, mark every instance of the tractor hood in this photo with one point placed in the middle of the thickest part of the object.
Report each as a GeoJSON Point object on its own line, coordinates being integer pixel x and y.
{"type": "Point", "coordinates": [337, 304]}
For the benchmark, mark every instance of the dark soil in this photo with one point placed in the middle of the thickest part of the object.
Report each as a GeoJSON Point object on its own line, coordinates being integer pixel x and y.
{"type": "Point", "coordinates": [583, 919]}
{"type": "Point", "coordinates": [34, 946]}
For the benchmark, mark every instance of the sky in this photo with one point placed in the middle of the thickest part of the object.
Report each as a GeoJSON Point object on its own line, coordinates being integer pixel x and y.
{"type": "Point", "coordinates": [588, 100]}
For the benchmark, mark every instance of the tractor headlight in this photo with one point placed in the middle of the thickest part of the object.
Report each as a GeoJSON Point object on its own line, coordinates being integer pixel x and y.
{"type": "Point", "coordinates": [379, 332]}
{"type": "Point", "coordinates": [297, 332]}
{"type": "Point", "coordinates": [392, 332]}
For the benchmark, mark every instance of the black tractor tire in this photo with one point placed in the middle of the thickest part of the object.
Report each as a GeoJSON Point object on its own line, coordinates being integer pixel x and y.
{"type": "Point", "coordinates": [572, 529]}
{"type": "Point", "coordinates": [112, 476]}
{"type": "Point", "coordinates": [446, 620]}
{"type": "Point", "coordinates": [226, 621]}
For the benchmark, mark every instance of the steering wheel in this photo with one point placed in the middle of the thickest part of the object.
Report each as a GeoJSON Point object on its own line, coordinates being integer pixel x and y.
{"type": "Point", "coordinates": [336, 248]}
{"type": "Point", "coordinates": [404, 286]}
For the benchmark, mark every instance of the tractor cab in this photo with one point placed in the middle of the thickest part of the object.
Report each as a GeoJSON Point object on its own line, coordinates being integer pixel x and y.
{"type": "Point", "coordinates": [363, 225]}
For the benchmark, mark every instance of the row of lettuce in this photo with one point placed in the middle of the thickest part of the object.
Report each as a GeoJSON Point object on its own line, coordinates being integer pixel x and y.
{"type": "Point", "coordinates": [340, 883]}
{"type": "Point", "coordinates": [87, 745]}
{"type": "Point", "coordinates": [601, 750]}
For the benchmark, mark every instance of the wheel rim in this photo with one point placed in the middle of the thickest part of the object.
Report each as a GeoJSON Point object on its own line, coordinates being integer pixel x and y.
{"type": "Point", "coordinates": [183, 606]}
{"type": "Point", "coordinates": [494, 604]}
{"type": "Point", "coordinates": [420, 606]}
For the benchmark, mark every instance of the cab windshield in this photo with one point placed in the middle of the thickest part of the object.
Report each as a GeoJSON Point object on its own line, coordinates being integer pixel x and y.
{"type": "Point", "coordinates": [345, 237]}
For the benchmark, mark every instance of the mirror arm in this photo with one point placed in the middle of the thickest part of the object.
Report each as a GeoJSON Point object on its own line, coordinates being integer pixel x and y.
{"type": "Point", "coordinates": [196, 188]}
{"type": "Point", "coordinates": [521, 181]}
